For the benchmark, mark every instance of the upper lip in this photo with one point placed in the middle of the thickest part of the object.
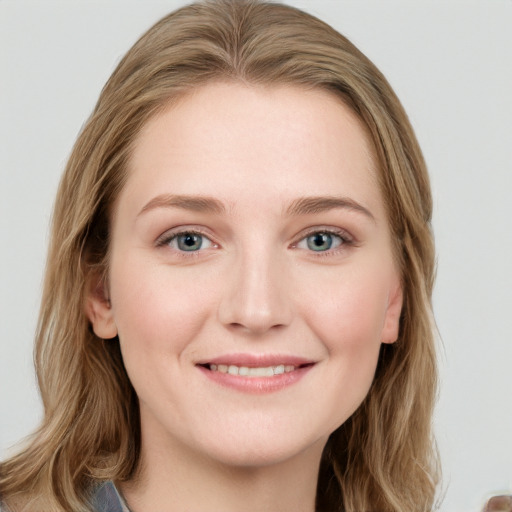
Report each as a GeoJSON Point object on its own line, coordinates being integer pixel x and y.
{"type": "Point", "coordinates": [257, 360]}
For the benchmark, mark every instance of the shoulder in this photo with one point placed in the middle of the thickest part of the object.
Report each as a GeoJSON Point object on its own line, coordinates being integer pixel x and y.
{"type": "Point", "coordinates": [106, 498]}
{"type": "Point", "coordinates": [3, 506]}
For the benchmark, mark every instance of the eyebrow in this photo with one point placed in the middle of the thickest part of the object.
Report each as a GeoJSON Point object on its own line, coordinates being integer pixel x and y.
{"type": "Point", "coordinates": [300, 206]}
{"type": "Point", "coordinates": [202, 204]}
{"type": "Point", "coordinates": [319, 204]}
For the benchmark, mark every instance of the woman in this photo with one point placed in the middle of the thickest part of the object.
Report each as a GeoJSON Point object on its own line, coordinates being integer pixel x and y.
{"type": "Point", "coordinates": [236, 312]}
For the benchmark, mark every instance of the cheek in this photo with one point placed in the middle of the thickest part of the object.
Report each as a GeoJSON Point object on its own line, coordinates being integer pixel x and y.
{"type": "Point", "coordinates": [157, 313]}
{"type": "Point", "coordinates": [349, 309]}
{"type": "Point", "coordinates": [348, 319]}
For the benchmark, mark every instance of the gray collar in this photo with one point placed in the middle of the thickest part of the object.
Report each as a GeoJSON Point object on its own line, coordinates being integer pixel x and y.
{"type": "Point", "coordinates": [106, 498]}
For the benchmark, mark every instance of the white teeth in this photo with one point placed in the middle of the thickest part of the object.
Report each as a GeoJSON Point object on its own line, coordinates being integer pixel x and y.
{"type": "Point", "coordinates": [245, 371]}
{"type": "Point", "coordinates": [279, 369]}
{"type": "Point", "coordinates": [262, 372]}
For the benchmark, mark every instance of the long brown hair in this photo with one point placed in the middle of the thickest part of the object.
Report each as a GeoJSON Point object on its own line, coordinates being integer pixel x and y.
{"type": "Point", "coordinates": [383, 458]}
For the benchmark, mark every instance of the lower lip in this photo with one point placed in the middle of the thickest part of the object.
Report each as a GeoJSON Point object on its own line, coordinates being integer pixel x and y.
{"type": "Point", "coordinates": [256, 385]}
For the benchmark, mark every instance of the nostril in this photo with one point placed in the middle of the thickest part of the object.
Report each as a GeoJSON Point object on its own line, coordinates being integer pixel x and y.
{"type": "Point", "coordinates": [255, 326]}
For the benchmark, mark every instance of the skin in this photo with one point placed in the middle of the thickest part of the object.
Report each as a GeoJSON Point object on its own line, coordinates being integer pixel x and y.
{"type": "Point", "coordinates": [254, 287]}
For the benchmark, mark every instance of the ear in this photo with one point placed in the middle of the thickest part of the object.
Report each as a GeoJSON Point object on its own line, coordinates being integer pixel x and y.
{"type": "Point", "coordinates": [392, 322]}
{"type": "Point", "coordinates": [98, 308]}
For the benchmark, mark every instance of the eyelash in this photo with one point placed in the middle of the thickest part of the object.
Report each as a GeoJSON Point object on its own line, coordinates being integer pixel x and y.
{"type": "Point", "coordinates": [345, 240]}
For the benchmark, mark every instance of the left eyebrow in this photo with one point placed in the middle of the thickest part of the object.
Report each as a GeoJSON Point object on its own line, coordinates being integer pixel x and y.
{"type": "Point", "coordinates": [319, 204]}
{"type": "Point", "coordinates": [192, 203]}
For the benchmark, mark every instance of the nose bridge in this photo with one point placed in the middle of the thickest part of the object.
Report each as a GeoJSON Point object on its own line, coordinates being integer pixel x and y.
{"type": "Point", "coordinates": [256, 298]}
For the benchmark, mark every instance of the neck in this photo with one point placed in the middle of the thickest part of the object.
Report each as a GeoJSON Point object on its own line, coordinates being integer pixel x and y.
{"type": "Point", "coordinates": [172, 480]}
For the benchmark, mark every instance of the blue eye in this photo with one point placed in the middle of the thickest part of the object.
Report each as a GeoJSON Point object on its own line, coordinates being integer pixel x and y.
{"type": "Point", "coordinates": [321, 241]}
{"type": "Point", "coordinates": [189, 242]}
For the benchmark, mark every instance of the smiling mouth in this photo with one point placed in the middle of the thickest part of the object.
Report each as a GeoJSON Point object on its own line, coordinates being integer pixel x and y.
{"type": "Point", "coordinates": [254, 372]}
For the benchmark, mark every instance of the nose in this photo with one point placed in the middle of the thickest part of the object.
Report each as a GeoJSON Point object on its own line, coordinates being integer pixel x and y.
{"type": "Point", "coordinates": [256, 298]}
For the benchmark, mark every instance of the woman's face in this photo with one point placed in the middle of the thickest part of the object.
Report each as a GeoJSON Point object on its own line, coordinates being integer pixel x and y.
{"type": "Point", "coordinates": [251, 274]}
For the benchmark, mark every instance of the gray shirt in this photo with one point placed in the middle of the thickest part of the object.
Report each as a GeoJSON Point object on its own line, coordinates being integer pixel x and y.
{"type": "Point", "coordinates": [105, 498]}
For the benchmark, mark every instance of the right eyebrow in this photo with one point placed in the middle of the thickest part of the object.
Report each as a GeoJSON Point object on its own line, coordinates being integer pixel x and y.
{"type": "Point", "coordinates": [319, 204]}
{"type": "Point", "coordinates": [203, 204]}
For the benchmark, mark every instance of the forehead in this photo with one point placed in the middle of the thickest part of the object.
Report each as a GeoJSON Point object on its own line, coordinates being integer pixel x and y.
{"type": "Point", "coordinates": [230, 139]}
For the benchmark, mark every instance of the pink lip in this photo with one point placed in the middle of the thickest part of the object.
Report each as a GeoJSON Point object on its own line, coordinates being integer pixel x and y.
{"type": "Point", "coordinates": [257, 385]}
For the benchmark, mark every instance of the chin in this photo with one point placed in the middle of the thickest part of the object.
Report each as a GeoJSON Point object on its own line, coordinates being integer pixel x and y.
{"type": "Point", "coordinates": [253, 452]}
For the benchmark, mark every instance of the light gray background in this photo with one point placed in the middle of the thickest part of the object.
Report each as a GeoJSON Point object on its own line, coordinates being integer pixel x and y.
{"type": "Point", "coordinates": [450, 63]}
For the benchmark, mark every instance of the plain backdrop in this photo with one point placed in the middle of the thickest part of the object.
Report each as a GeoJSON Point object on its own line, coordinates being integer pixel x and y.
{"type": "Point", "coordinates": [450, 63]}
